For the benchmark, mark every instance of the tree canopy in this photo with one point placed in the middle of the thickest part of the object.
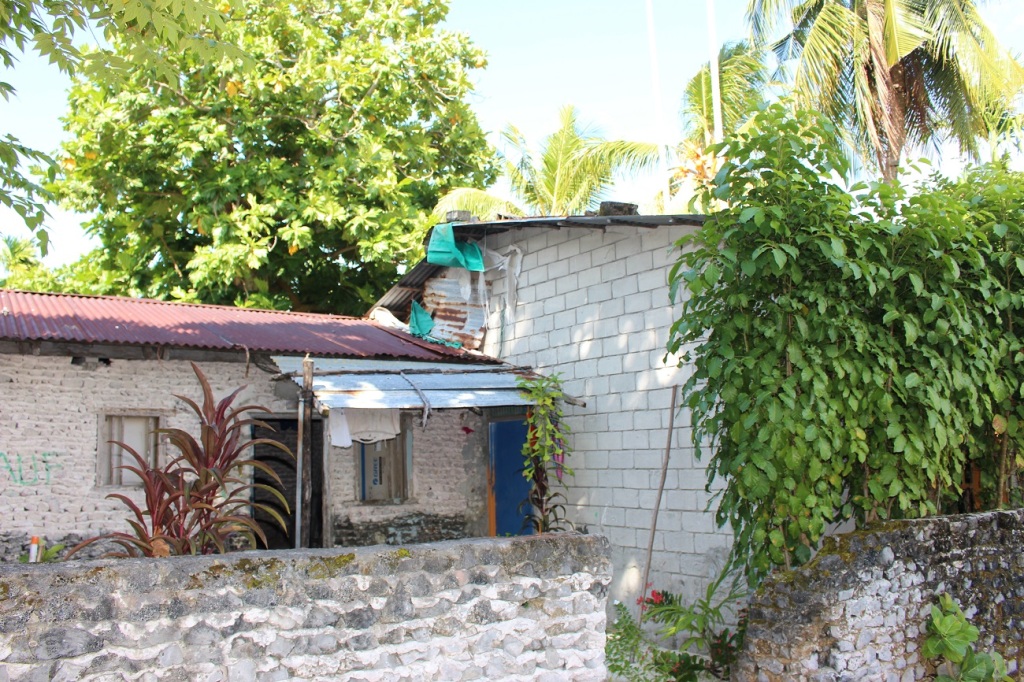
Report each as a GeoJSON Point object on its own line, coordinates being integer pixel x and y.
{"type": "Point", "coordinates": [147, 31]}
{"type": "Point", "coordinates": [299, 176]}
{"type": "Point", "coordinates": [894, 73]}
{"type": "Point", "coordinates": [571, 174]}
{"type": "Point", "coordinates": [743, 79]}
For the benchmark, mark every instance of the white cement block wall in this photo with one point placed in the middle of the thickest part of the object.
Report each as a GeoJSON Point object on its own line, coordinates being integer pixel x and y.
{"type": "Point", "coordinates": [49, 431]}
{"type": "Point", "coordinates": [594, 307]}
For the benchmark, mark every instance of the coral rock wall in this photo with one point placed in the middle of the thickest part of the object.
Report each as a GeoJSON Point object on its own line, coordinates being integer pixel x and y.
{"type": "Point", "coordinates": [858, 611]}
{"type": "Point", "coordinates": [530, 608]}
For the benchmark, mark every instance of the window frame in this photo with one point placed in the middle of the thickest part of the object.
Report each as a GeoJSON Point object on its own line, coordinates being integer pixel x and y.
{"type": "Point", "coordinates": [401, 451]}
{"type": "Point", "coordinates": [111, 423]}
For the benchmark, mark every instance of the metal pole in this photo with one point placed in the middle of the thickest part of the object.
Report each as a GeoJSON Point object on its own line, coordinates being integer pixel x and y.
{"type": "Point", "coordinates": [716, 88]}
{"type": "Point", "coordinates": [663, 135]}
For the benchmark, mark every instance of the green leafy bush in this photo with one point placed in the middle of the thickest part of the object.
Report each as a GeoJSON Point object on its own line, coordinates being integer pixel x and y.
{"type": "Point", "coordinates": [707, 647]}
{"type": "Point", "coordinates": [855, 349]}
{"type": "Point", "coordinates": [201, 497]}
{"type": "Point", "coordinates": [950, 641]}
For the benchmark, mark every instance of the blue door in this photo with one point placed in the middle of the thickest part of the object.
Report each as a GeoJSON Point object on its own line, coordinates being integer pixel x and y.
{"type": "Point", "coordinates": [508, 488]}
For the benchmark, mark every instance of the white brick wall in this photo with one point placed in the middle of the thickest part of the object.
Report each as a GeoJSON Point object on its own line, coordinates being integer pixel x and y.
{"type": "Point", "coordinates": [50, 411]}
{"type": "Point", "coordinates": [601, 322]}
{"type": "Point", "coordinates": [49, 431]}
{"type": "Point", "coordinates": [449, 474]}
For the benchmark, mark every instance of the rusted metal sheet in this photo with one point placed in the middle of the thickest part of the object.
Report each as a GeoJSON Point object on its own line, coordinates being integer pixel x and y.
{"type": "Point", "coordinates": [457, 300]}
{"type": "Point", "coordinates": [28, 316]}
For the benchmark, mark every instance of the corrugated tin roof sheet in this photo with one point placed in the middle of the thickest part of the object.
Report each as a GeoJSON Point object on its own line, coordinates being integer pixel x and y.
{"type": "Point", "coordinates": [28, 316]}
{"type": "Point", "coordinates": [374, 384]}
{"type": "Point", "coordinates": [594, 222]}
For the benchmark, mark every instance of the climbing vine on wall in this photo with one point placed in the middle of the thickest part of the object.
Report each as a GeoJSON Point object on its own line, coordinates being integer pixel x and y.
{"type": "Point", "coordinates": [545, 452]}
{"type": "Point", "coordinates": [855, 349]}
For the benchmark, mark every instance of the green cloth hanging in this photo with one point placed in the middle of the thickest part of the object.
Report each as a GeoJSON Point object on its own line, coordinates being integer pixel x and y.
{"type": "Point", "coordinates": [444, 249]}
{"type": "Point", "coordinates": [420, 322]}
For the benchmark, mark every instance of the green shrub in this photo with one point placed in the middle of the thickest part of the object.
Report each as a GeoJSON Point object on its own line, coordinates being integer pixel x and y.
{"type": "Point", "coordinates": [855, 349]}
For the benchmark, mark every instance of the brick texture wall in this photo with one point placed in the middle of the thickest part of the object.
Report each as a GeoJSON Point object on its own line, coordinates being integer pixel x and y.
{"type": "Point", "coordinates": [594, 307]}
{"type": "Point", "coordinates": [447, 485]}
{"type": "Point", "coordinates": [50, 415]}
{"type": "Point", "coordinates": [49, 431]}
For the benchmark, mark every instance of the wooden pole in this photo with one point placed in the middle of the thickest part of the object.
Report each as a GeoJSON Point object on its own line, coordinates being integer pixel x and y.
{"type": "Point", "coordinates": [299, 458]}
{"type": "Point", "coordinates": [306, 436]}
{"type": "Point", "coordinates": [661, 489]}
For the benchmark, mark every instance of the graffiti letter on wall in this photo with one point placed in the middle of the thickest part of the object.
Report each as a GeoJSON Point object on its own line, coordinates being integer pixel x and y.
{"type": "Point", "coordinates": [40, 468]}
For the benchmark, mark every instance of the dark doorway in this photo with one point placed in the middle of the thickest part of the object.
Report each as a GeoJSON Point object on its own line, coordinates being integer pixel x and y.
{"type": "Point", "coordinates": [508, 489]}
{"type": "Point", "coordinates": [286, 431]}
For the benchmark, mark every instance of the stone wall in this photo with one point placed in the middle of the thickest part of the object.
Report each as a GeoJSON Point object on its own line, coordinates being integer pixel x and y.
{"type": "Point", "coordinates": [858, 611]}
{"type": "Point", "coordinates": [593, 305]}
{"type": "Point", "coordinates": [530, 608]}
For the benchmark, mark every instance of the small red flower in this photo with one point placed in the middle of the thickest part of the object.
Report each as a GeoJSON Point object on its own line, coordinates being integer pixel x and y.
{"type": "Point", "coordinates": [656, 597]}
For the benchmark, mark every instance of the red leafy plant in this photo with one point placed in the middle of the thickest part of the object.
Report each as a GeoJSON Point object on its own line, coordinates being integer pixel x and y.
{"type": "Point", "coordinates": [200, 500]}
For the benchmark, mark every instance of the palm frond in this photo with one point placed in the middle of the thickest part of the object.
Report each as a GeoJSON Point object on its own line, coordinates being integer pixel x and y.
{"type": "Point", "coordinates": [479, 203]}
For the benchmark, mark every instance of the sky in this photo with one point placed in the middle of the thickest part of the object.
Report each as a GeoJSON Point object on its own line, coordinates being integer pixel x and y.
{"type": "Point", "coordinates": [542, 55]}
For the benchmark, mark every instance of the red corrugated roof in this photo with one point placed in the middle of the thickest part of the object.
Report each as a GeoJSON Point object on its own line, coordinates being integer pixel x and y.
{"type": "Point", "coordinates": [28, 316]}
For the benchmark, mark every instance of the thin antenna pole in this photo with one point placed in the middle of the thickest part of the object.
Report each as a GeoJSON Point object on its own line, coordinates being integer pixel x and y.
{"type": "Point", "coordinates": [659, 108]}
{"type": "Point", "coordinates": [716, 90]}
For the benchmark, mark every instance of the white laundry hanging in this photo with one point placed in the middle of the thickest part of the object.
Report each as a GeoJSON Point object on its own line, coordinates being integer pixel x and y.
{"type": "Point", "coordinates": [370, 426]}
{"type": "Point", "coordinates": [339, 433]}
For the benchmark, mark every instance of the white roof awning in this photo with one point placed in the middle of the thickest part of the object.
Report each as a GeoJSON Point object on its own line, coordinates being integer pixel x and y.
{"type": "Point", "coordinates": [403, 384]}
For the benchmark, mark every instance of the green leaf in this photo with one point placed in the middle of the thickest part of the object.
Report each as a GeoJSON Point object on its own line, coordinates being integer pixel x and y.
{"type": "Point", "coordinates": [780, 257]}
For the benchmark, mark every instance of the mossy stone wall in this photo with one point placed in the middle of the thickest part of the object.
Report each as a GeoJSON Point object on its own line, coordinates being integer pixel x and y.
{"type": "Point", "coordinates": [858, 611]}
{"type": "Point", "coordinates": [504, 608]}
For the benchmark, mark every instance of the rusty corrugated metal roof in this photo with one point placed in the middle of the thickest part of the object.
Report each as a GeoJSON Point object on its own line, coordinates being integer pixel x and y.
{"type": "Point", "coordinates": [29, 316]}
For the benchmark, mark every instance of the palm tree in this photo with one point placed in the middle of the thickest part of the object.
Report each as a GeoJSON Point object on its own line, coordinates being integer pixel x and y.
{"type": "Point", "coordinates": [572, 173]}
{"type": "Point", "coordinates": [17, 254]}
{"type": "Point", "coordinates": [743, 78]}
{"type": "Point", "coordinates": [894, 73]}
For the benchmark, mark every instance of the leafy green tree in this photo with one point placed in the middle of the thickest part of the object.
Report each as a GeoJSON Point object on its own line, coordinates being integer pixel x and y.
{"type": "Point", "coordinates": [146, 29]}
{"type": "Point", "coordinates": [856, 352]}
{"type": "Point", "coordinates": [299, 178]}
{"type": "Point", "coordinates": [572, 173]}
{"type": "Point", "coordinates": [895, 73]}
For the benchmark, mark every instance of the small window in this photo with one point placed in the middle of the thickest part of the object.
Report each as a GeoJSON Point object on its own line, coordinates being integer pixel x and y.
{"type": "Point", "coordinates": [383, 467]}
{"type": "Point", "coordinates": [136, 431]}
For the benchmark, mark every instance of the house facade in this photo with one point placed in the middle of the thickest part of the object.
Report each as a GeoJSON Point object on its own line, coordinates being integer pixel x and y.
{"type": "Point", "coordinates": [78, 372]}
{"type": "Point", "coordinates": [587, 298]}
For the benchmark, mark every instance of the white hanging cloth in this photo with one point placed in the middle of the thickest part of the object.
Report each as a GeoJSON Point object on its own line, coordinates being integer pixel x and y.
{"type": "Point", "coordinates": [370, 426]}
{"type": "Point", "coordinates": [339, 433]}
